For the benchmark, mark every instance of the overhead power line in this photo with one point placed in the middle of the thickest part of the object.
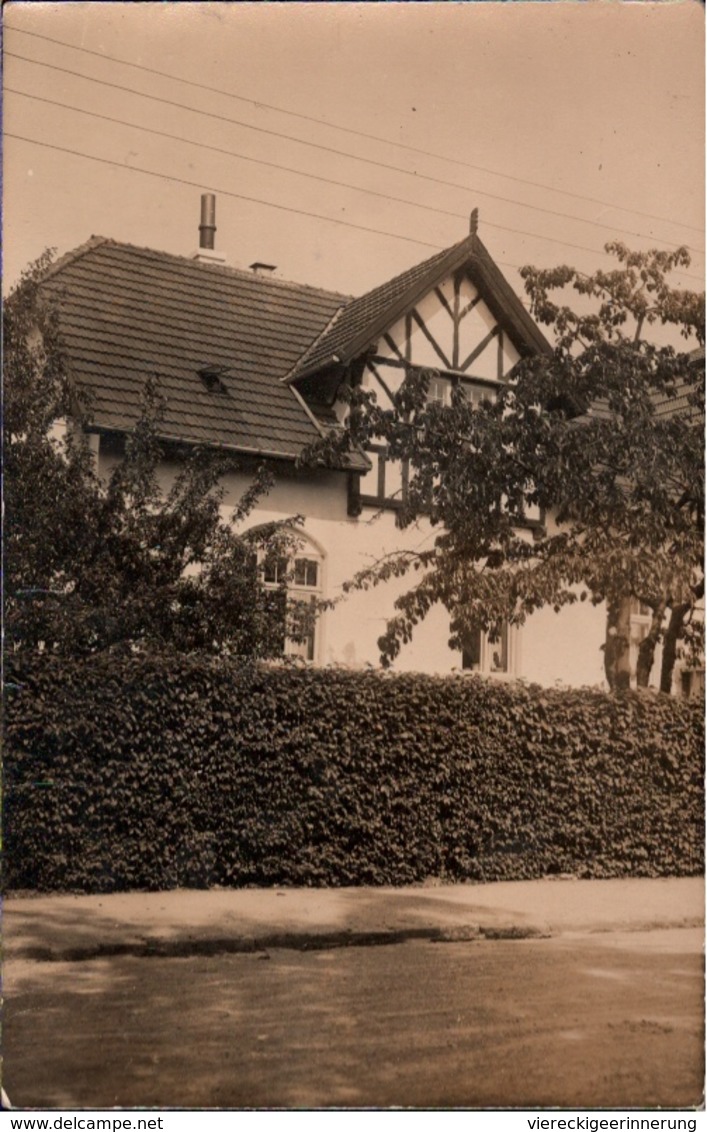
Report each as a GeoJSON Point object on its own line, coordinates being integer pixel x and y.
{"type": "Point", "coordinates": [258, 103]}
{"type": "Point", "coordinates": [338, 152]}
{"type": "Point", "coordinates": [238, 156]}
{"type": "Point", "coordinates": [297, 172]}
{"type": "Point", "coordinates": [222, 191]}
{"type": "Point", "coordinates": [242, 196]}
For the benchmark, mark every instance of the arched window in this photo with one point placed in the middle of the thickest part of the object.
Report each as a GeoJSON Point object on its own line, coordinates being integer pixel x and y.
{"type": "Point", "coordinates": [297, 584]}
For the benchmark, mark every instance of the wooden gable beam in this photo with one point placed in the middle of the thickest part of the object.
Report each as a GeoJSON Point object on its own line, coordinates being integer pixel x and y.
{"type": "Point", "coordinates": [437, 349]}
{"type": "Point", "coordinates": [455, 331]}
{"type": "Point", "coordinates": [382, 360]}
{"type": "Point", "coordinates": [393, 346]}
{"type": "Point", "coordinates": [443, 301]}
{"type": "Point", "coordinates": [481, 347]}
{"type": "Point", "coordinates": [469, 307]}
{"type": "Point", "coordinates": [383, 384]}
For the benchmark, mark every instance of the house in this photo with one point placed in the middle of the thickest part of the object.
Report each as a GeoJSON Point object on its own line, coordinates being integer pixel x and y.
{"type": "Point", "coordinates": [251, 364]}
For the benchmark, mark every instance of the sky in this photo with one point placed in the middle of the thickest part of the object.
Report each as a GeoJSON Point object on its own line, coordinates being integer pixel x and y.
{"type": "Point", "coordinates": [566, 124]}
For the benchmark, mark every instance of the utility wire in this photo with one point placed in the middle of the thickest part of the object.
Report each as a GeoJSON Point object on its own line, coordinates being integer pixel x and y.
{"type": "Point", "coordinates": [223, 192]}
{"type": "Point", "coordinates": [357, 133]}
{"type": "Point", "coordinates": [297, 172]}
{"type": "Point", "coordinates": [239, 156]}
{"type": "Point", "coordinates": [253, 200]}
{"type": "Point", "coordinates": [338, 152]}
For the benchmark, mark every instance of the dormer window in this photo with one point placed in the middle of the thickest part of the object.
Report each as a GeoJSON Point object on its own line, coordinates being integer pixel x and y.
{"type": "Point", "coordinates": [212, 378]}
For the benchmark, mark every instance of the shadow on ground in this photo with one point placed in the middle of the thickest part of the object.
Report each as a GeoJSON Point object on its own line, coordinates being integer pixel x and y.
{"type": "Point", "coordinates": [588, 1021]}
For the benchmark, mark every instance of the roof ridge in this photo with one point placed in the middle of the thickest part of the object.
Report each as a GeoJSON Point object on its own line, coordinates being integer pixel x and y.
{"type": "Point", "coordinates": [415, 267]}
{"type": "Point", "coordinates": [441, 254]}
{"type": "Point", "coordinates": [191, 261]}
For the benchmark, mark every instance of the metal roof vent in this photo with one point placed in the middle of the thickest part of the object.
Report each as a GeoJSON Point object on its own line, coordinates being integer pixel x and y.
{"type": "Point", "coordinates": [263, 268]}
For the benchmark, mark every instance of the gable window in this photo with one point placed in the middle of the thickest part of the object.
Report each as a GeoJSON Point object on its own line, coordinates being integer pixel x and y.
{"type": "Point", "coordinates": [475, 395]}
{"type": "Point", "coordinates": [296, 586]}
{"type": "Point", "coordinates": [438, 391]}
{"type": "Point", "coordinates": [490, 658]}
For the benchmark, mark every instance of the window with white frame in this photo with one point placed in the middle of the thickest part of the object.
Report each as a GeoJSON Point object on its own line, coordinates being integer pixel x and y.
{"type": "Point", "coordinates": [475, 395]}
{"type": "Point", "coordinates": [296, 583]}
{"type": "Point", "coordinates": [489, 657]}
{"type": "Point", "coordinates": [438, 390]}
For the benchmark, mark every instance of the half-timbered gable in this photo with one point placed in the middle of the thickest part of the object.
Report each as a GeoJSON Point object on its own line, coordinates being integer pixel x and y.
{"type": "Point", "coordinates": [453, 317]}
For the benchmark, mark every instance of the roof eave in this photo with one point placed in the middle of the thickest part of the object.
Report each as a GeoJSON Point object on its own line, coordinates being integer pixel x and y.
{"type": "Point", "coordinates": [219, 446]}
{"type": "Point", "coordinates": [317, 367]}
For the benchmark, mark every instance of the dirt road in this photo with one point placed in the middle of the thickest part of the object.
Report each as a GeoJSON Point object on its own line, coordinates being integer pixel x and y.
{"type": "Point", "coordinates": [586, 1020]}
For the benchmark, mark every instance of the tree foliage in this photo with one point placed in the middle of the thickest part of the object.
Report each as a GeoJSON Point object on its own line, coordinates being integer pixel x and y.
{"type": "Point", "coordinates": [584, 436]}
{"type": "Point", "coordinates": [97, 562]}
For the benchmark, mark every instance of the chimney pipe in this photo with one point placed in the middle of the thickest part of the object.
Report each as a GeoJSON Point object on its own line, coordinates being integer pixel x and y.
{"type": "Point", "coordinates": [207, 227]}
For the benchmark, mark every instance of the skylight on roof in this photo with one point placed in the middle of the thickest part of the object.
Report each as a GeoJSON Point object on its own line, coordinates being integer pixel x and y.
{"type": "Point", "coordinates": [212, 378]}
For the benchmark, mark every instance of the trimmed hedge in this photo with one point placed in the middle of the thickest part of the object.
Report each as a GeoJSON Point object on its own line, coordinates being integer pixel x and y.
{"type": "Point", "coordinates": [156, 772]}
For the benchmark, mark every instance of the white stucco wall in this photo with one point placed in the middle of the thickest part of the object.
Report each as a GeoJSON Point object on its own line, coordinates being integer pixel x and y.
{"type": "Point", "coordinates": [550, 649]}
{"type": "Point", "coordinates": [565, 647]}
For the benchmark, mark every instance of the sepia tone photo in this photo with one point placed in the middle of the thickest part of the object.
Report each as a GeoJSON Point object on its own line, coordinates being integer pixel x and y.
{"type": "Point", "coordinates": [353, 374]}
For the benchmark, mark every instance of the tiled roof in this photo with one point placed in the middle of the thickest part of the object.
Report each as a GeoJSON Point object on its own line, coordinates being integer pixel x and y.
{"type": "Point", "coordinates": [678, 403]}
{"type": "Point", "coordinates": [131, 313]}
{"type": "Point", "coordinates": [128, 313]}
{"type": "Point", "coordinates": [363, 313]}
{"type": "Point", "coordinates": [359, 323]}
{"type": "Point", "coordinates": [682, 401]}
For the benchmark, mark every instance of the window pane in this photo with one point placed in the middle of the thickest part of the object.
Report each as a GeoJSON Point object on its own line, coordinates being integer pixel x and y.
{"type": "Point", "coordinates": [276, 606]}
{"type": "Point", "coordinates": [471, 653]}
{"type": "Point", "coordinates": [275, 570]}
{"type": "Point", "coordinates": [468, 393]}
{"type": "Point", "coordinates": [306, 572]}
{"type": "Point", "coordinates": [499, 652]}
{"type": "Point", "coordinates": [437, 391]}
{"type": "Point", "coordinates": [301, 629]}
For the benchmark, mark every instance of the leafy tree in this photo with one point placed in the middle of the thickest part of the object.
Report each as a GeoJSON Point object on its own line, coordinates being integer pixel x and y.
{"type": "Point", "coordinates": [94, 563]}
{"type": "Point", "coordinates": [580, 434]}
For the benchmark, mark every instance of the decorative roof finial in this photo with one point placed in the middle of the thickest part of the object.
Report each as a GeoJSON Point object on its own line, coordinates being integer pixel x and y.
{"type": "Point", "coordinates": [474, 222]}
